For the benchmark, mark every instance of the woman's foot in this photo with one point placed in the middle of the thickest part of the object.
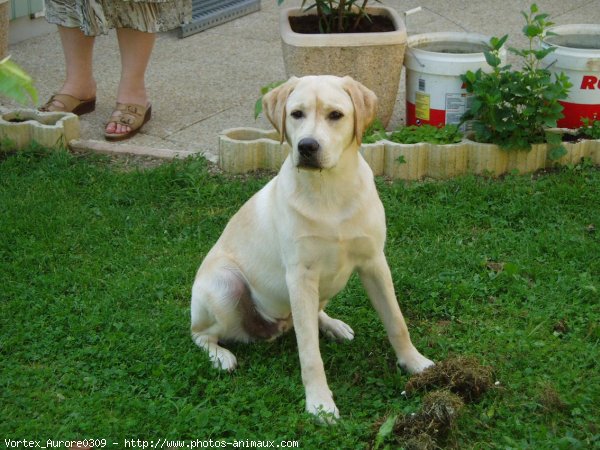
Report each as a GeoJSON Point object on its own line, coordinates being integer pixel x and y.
{"type": "Point", "coordinates": [68, 103]}
{"type": "Point", "coordinates": [77, 98]}
{"type": "Point", "coordinates": [117, 124]}
{"type": "Point", "coordinates": [127, 120]}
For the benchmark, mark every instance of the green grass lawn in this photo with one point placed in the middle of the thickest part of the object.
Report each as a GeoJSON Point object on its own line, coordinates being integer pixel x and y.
{"type": "Point", "coordinates": [97, 262]}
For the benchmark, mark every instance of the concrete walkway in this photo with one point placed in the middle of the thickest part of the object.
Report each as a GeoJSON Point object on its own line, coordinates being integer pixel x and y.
{"type": "Point", "coordinates": [210, 81]}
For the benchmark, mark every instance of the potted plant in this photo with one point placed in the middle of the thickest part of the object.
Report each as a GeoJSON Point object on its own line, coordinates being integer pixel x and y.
{"type": "Point", "coordinates": [346, 37]}
{"type": "Point", "coordinates": [514, 108]}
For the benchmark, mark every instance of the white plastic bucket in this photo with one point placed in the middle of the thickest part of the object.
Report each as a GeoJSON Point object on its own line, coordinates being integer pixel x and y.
{"type": "Point", "coordinates": [434, 63]}
{"type": "Point", "coordinates": [577, 54]}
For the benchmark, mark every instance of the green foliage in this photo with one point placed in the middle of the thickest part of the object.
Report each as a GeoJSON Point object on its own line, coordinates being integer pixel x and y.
{"type": "Point", "coordinates": [513, 108]}
{"type": "Point", "coordinates": [590, 128]}
{"type": "Point", "coordinates": [15, 83]}
{"type": "Point", "coordinates": [374, 132]}
{"type": "Point", "coordinates": [337, 16]}
{"type": "Point", "coordinates": [448, 134]}
{"type": "Point", "coordinates": [263, 90]}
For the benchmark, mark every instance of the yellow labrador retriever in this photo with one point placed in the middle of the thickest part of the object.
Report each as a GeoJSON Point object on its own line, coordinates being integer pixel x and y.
{"type": "Point", "coordinates": [295, 243]}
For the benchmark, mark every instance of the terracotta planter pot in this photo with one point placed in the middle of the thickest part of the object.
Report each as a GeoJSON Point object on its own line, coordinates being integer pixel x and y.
{"type": "Point", "coordinates": [374, 59]}
{"type": "Point", "coordinates": [49, 129]}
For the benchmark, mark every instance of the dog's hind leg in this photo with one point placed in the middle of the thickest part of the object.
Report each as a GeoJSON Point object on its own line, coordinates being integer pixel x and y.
{"type": "Point", "coordinates": [334, 329]}
{"type": "Point", "coordinates": [221, 357]}
{"type": "Point", "coordinates": [215, 316]}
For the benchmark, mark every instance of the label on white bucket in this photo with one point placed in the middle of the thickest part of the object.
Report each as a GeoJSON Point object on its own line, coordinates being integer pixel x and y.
{"type": "Point", "coordinates": [435, 100]}
{"type": "Point", "coordinates": [422, 106]}
{"type": "Point", "coordinates": [456, 106]}
{"type": "Point", "coordinates": [434, 64]}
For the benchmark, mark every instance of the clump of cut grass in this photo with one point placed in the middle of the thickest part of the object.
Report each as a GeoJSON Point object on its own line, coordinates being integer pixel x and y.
{"type": "Point", "coordinates": [428, 427]}
{"type": "Point", "coordinates": [421, 442]}
{"type": "Point", "coordinates": [462, 375]}
{"type": "Point", "coordinates": [450, 384]}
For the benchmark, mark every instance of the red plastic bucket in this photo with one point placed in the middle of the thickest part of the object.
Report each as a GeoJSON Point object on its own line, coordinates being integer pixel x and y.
{"type": "Point", "coordinates": [577, 54]}
{"type": "Point", "coordinates": [434, 63]}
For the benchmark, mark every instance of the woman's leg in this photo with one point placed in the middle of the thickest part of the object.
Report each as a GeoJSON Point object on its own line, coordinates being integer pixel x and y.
{"type": "Point", "coordinates": [78, 50]}
{"type": "Point", "coordinates": [136, 49]}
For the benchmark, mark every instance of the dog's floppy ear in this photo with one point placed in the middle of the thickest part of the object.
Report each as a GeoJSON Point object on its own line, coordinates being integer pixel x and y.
{"type": "Point", "coordinates": [273, 103]}
{"type": "Point", "coordinates": [365, 105]}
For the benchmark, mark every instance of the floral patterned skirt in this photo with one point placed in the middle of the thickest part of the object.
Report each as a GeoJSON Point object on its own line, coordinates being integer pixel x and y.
{"type": "Point", "coordinates": [95, 17]}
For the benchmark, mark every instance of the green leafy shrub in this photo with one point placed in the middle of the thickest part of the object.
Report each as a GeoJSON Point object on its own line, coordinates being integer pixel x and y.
{"type": "Point", "coordinates": [513, 108]}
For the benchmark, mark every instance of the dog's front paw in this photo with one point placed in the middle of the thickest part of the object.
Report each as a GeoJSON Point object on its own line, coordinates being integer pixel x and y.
{"type": "Point", "coordinates": [223, 359]}
{"type": "Point", "coordinates": [323, 408]}
{"type": "Point", "coordinates": [414, 362]}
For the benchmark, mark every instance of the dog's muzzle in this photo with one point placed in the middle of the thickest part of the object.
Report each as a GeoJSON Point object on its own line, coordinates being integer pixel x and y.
{"type": "Point", "coordinates": [308, 149]}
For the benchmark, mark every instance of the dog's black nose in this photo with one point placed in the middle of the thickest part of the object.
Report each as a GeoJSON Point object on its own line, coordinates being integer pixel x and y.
{"type": "Point", "coordinates": [307, 147]}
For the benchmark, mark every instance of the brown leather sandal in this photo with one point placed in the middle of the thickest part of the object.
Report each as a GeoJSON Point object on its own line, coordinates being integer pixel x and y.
{"type": "Point", "coordinates": [131, 115]}
{"type": "Point", "coordinates": [69, 104]}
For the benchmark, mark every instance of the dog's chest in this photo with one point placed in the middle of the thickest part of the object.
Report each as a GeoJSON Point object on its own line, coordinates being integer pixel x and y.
{"type": "Point", "coordinates": [335, 253]}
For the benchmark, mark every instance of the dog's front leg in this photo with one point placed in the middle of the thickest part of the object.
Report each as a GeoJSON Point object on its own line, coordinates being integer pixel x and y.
{"type": "Point", "coordinates": [304, 299]}
{"type": "Point", "coordinates": [377, 280]}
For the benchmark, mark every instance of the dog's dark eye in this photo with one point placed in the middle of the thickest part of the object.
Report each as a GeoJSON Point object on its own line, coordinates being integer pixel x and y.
{"type": "Point", "coordinates": [335, 115]}
{"type": "Point", "coordinates": [297, 114]}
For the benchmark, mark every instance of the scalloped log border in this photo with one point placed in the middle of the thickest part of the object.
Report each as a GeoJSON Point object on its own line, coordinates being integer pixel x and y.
{"type": "Point", "coordinates": [49, 129]}
{"type": "Point", "coordinates": [244, 150]}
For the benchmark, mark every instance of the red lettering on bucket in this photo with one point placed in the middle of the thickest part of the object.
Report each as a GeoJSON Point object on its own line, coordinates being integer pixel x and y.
{"type": "Point", "coordinates": [589, 82]}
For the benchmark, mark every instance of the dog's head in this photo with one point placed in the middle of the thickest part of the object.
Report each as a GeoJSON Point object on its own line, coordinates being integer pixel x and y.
{"type": "Point", "coordinates": [320, 117]}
